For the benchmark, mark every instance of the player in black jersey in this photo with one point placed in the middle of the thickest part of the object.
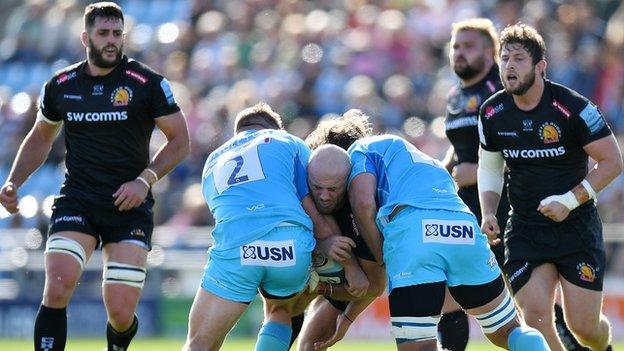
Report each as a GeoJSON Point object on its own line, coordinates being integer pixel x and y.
{"type": "Point", "coordinates": [473, 55]}
{"type": "Point", "coordinates": [545, 132]}
{"type": "Point", "coordinates": [107, 107]}
{"type": "Point", "coordinates": [329, 317]}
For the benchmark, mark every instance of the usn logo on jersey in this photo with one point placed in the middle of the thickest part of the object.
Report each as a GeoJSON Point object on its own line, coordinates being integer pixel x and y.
{"type": "Point", "coordinates": [121, 96]}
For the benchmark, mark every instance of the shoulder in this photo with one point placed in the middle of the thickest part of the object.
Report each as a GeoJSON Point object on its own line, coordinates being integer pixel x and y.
{"type": "Point", "coordinates": [66, 74]}
{"type": "Point", "coordinates": [494, 105]}
{"type": "Point", "coordinates": [566, 100]}
{"type": "Point", "coordinates": [141, 72]}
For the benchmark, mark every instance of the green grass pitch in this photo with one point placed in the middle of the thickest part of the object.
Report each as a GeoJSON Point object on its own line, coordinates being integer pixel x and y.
{"type": "Point", "coordinates": [230, 345]}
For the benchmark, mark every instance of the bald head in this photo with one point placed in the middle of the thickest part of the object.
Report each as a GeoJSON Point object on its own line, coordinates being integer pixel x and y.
{"type": "Point", "coordinates": [328, 170]}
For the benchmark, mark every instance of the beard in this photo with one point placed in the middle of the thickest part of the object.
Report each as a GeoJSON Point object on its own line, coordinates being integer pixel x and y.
{"type": "Point", "coordinates": [97, 57]}
{"type": "Point", "coordinates": [523, 85]}
{"type": "Point", "coordinates": [469, 71]}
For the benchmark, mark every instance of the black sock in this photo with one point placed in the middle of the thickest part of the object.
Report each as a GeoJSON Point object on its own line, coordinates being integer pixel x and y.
{"type": "Point", "coordinates": [568, 340]}
{"type": "Point", "coordinates": [119, 341]}
{"type": "Point", "coordinates": [609, 348]}
{"type": "Point", "coordinates": [50, 329]}
{"type": "Point", "coordinates": [296, 323]}
{"type": "Point", "coordinates": [453, 330]}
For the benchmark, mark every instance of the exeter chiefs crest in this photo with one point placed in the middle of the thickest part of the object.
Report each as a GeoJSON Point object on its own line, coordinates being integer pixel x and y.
{"type": "Point", "coordinates": [121, 96]}
{"type": "Point", "coordinates": [586, 272]}
{"type": "Point", "coordinates": [549, 132]}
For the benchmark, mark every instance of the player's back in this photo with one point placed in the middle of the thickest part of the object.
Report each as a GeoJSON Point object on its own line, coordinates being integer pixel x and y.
{"type": "Point", "coordinates": [405, 175]}
{"type": "Point", "coordinates": [254, 182]}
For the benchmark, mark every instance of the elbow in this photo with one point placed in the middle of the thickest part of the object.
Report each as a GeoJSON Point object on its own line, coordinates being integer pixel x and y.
{"type": "Point", "coordinates": [361, 204]}
{"type": "Point", "coordinates": [376, 288]}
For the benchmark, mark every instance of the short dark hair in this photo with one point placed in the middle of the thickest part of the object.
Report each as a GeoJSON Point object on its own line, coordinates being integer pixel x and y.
{"type": "Point", "coordinates": [342, 131]}
{"type": "Point", "coordinates": [106, 9]}
{"type": "Point", "coordinates": [526, 36]}
{"type": "Point", "coordinates": [260, 113]}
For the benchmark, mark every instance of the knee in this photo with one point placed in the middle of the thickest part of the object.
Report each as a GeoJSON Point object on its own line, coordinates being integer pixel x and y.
{"type": "Point", "coordinates": [538, 315]}
{"type": "Point", "coordinates": [119, 315]}
{"type": "Point", "coordinates": [59, 288]}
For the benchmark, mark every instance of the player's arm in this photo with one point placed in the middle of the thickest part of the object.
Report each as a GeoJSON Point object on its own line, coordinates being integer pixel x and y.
{"type": "Point", "coordinates": [31, 154]}
{"type": "Point", "coordinates": [170, 154]}
{"type": "Point", "coordinates": [608, 166]}
{"type": "Point", "coordinates": [362, 198]}
{"type": "Point", "coordinates": [327, 233]}
{"type": "Point", "coordinates": [449, 159]}
{"type": "Point", "coordinates": [490, 180]}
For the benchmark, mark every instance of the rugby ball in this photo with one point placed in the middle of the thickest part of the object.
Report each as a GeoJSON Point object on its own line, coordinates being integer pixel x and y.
{"type": "Point", "coordinates": [329, 271]}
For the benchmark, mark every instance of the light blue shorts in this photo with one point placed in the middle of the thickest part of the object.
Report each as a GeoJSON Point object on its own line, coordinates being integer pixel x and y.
{"type": "Point", "coordinates": [426, 246]}
{"type": "Point", "coordinates": [279, 263]}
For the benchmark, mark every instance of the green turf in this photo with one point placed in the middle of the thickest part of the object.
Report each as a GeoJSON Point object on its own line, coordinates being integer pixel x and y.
{"type": "Point", "coordinates": [230, 345]}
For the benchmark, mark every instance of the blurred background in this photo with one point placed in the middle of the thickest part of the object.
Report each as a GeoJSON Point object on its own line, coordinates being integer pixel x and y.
{"type": "Point", "coordinates": [309, 60]}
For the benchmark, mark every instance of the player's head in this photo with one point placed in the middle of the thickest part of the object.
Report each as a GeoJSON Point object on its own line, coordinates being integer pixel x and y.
{"type": "Point", "coordinates": [342, 131]}
{"type": "Point", "coordinates": [259, 115]}
{"type": "Point", "coordinates": [522, 58]}
{"type": "Point", "coordinates": [103, 34]}
{"type": "Point", "coordinates": [328, 171]}
{"type": "Point", "coordinates": [474, 47]}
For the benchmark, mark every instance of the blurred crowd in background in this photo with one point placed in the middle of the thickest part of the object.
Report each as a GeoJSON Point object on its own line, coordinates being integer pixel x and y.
{"type": "Point", "coordinates": [308, 59]}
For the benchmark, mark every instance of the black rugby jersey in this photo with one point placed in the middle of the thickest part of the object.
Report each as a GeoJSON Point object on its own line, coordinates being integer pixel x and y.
{"type": "Point", "coordinates": [108, 123]}
{"type": "Point", "coordinates": [462, 114]}
{"type": "Point", "coordinates": [346, 223]}
{"type": "Point", "coordinates": [543, 148]}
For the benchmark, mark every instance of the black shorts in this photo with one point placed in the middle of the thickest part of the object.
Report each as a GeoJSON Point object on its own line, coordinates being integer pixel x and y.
{"type": "Point", "coordinates": [424, 300]}
{"type": "Point", "coordinates": [102, 220]}
{"type": "Point", "coordinates": [574, 246]}
{"type": "Point", "coordinates": [361, 250]}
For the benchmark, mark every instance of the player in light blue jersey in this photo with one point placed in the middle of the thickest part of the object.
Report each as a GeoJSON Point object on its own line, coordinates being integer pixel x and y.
{"type": "Point", "coordinates": [256, 187]}
{"type": "Point", "coordinates": [407, 209]}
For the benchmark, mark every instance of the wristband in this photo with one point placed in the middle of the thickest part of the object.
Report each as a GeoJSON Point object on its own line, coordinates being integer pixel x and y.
{"type": "Point", "coordinates": [568, 200]}
{"type": "Point", "coordinates": [153, 173]}
{"type": "Point", "coordinates": [590, 191]}
{"type": "Point", "coordinates": [144, 181]}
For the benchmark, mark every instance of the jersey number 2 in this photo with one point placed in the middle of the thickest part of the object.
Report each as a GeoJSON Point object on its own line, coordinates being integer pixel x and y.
{"type": "Point", "coordinates": [238, 169]}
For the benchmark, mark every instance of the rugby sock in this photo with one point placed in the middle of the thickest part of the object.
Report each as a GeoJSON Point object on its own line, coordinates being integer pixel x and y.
{"type": "Point", "coordinates": [453, 331]}
{"type": "Point", "coordinates": [50, 329]}
{"type": "Point", "coordinates": [119, 341]}
{"type": "Point", "coordinates": [296, 322]}
{"type": "Point", "coordinates": [568, 340]}
{"type": "Point", "coordinates": [273, 336]}
{"type": "Point", "coordinates": [526, 338]}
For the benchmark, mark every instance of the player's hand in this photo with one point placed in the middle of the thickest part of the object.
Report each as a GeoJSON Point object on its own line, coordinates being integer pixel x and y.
{"type": "Point", "coordinates": [8, 197]}
{"type": "Point", "coordinates": [342, 326]}
{"type": "Point", "coordinates": [489, 227]}
{"type": "Point", "coordinates": [336, 247]}
{"type": "Point", "coordinates": [554, 210]}
{"type": "Point", "coordinates": [130, 195]}
{"type": "Point", "coordinates": [357, 282]}
{"type": "Point", "coordinates": [465, 174]}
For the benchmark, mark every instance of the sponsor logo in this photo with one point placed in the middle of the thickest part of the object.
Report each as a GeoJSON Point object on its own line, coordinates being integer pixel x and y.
{"type": "Point", "coordinates": [513, 134]}
{"type": "Point", "coordinates": [255, 207]}
{"type": "Point", "coordinates": [550, 133]}
{"type": "Point", "coordinates": [593, 118]}
{"type": "Point", "coordinates": [121, 96]}
{"type": "Point", "coordinates": [97, 116]}
{"type": "Point", "coordinates": [492, 260]}
{"type": "Point", "coordinates": [462, 122]}
{"type": "Point", "coordinates": [491, 86]}
{"type": "Point", "coordinates": [561, 108]}
{"type": "Point", "coordinates": [65, 77]}
{"type": "Point", "coordinates": [586, 272]}
{"type": "Point", "coordinates": [354, 225]}
{"type": "Point", "coordinates": [72, 97]}
{"type": "Point", "coordinates": [137, 232]}
{"type": "Point", "coordinates": [76, 219]}
{"type": "Point", "coordinates": [141, 78]}
{"type": "Point", "coordinates": [473, 104]}
{"type": "Point", "coordinates": [166, 88]}
{"type": "Point", "coordinates": [552, 152]}
{"type": "Point", "coordinates": [527, 125]}
{"type": "Point", "coordinates": [98, 89]}
{"type": "Point", "coordinates": [448, 232]}
{"type": "Point", "coordinates": [491, 111]}
{"type": "Point", "coordinates": [47, 343]}
{"type": "Point", "coordinates": [519, 272]}
{"type": "Point", "coordinates": [268, 253]}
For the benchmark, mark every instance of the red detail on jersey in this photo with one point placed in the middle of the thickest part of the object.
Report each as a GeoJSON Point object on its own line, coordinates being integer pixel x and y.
{"type": "Point", "coordinates": [141, 78]}
{"type": "Point", "coordinates": [65, 77]}
{"type": "Point", "coordinates": [492, 110]}
{"type": "Point", "coordinates": [491, 86]}
{"type": "Point", "coordinates": [561, 108]}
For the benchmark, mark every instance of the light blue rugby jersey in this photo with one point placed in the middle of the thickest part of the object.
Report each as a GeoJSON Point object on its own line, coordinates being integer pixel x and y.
{"type": "Point", "coordinates": [253, 182]}
{"type": "Point", "coordinates": [405, 176]}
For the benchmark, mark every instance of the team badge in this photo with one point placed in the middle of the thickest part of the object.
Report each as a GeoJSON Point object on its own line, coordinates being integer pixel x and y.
{"type": "Point", "coordinates": [98, 89]}
{"type": "Point", "coordinates": [137, 232]}
{"type": "Point", "coordinates": [586, 272]}
{"type": "Point", "coordinates": [550, 133]}
{"type": "Point", "coordinates": [473, 104]}
{"type": "Point", "coordinates": [121, 96]}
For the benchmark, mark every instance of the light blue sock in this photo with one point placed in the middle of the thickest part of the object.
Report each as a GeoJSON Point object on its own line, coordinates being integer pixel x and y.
{"type": "Point", "coordinates": [526, 339]}
{"type": "Point", "coordinates": [273, 336]}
